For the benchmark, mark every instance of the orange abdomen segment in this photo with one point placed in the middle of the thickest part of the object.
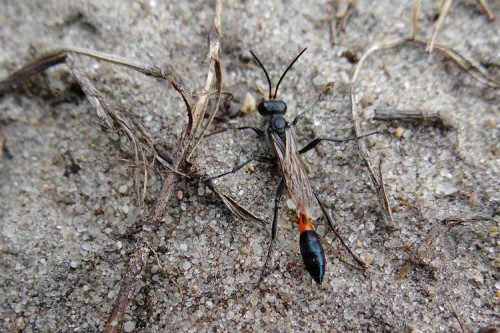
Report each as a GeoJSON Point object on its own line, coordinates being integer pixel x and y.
{"type": "Point", "coordinates": [304, 223]}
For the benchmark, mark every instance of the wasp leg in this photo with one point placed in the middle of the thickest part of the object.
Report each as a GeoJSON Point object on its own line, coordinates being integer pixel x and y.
{"type": "Point", "coordinates": [277, 200]}
{"type": "Point", "coordinates": [262, 159]}
{"type": "Point", "coordinates": [296, 120]}
{"type": "Point", "coordinates": [315, 142]}
{"type": "Point", "coordinates": [260, 133]}
{"type": "Point", "coordinates": [330, 223]}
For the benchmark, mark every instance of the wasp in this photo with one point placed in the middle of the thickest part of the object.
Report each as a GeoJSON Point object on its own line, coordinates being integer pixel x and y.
{"type": "Point", "coordinates": [294, 177]}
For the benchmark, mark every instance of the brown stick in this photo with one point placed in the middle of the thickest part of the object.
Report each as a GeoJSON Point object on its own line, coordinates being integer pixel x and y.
{"type": "Point", "coordinates": [109, 118]}
{"type": "Point", "coordinates": [487, 10]}
{"type": "Point", "coordinates": [377, 182]}
{"type": "Point", "coordinates": [444, 11]}
{"type": "Point", "coordinates": [414, 20]}
{"type": "Point", "coordinates": [459, 59]}
{"type": "Point", "coordinates": [137, 261]}
{"type": "Point", "coordinates": [184, 148]}
{"type": "Point", "coordinates": [58, 56]}
{"type": "Point", "coordinates": [414, 115]}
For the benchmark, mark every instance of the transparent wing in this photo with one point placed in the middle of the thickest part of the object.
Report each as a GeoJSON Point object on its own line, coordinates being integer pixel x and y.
{"type": "Point", "coordinates": [293, 169]}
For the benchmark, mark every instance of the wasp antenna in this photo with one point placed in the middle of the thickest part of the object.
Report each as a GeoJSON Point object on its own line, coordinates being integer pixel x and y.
{"type": "Point", "coordinates": [286, 70]}
{"type": "Point", "coordinates": [265, 72]}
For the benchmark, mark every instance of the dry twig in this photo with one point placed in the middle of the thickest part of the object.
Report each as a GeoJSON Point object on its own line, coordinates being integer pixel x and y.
{"type": "Point", "coordinates": [111, 119]}
{"type": "Point", "coordinates": [487, 10]}
{"type": "Point", "coordinates": [470, 66]}
{"type": "Point", "coordinates": [58, 56]}
{"type": "Point", "coordinates": [184, 149]}
{"type": "Point", "coordinates": [234, 207]}
{"type": "Point", "coordinates": [415, 115]}
{"type": "Point", "coordinates": [377, 182]}
{"type": "Point", "coordinates": [414, 21]}
{"type": "Point", "coordinates": [442, 14]}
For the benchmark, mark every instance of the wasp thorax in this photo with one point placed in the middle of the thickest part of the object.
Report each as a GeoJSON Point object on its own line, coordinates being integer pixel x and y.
{"type": "Point", "coordinates": [278, 124]}
{"type": "Point", "coordinates": [267, 108]}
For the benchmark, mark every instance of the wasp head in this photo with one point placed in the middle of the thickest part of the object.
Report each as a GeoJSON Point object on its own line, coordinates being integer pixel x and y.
{"type": "Point", "coordinates": [268, 108]}
{"type": "Point", "coordinates": [272, 106]}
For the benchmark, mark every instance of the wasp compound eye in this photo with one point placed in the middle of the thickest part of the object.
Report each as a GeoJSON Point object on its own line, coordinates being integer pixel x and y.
{"type": "Point", "coordinates": [267, 108]}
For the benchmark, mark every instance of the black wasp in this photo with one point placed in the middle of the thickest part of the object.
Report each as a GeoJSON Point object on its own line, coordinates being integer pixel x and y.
{"type": "Point", "coordinates": [281, 135]}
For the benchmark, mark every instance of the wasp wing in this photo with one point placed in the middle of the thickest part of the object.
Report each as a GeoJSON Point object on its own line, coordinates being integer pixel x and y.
{"type": "Point", "coordinates": [293, 169]}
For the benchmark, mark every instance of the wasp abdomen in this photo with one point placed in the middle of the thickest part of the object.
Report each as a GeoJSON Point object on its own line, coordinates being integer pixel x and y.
{"type": "Point", "coordinates": [313, 254]}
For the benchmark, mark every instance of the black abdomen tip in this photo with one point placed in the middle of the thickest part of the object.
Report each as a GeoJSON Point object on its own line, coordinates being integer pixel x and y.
{"type": "Point", "coordinates": [313, 254]}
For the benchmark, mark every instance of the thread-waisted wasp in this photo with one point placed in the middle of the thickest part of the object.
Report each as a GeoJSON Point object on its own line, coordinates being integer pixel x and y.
{"type": "Point", "coordinates": [281, 135]}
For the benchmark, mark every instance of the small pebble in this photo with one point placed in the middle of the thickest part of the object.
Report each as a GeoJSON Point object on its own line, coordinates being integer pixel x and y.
{"type": "Point", "coordinates": [179, 194]}
{"type": "Point", "coordinates": [320, 80]}
{"type": "Point", "coordinates": [407, 134]}
{"type": "Point", "coordinates": [344, 77]}
{"type": "Point", "coordinates": [161, 233]}
{"type": "Point", "coordinates": [125, 209]}
{"type": "Point", "coordinates": [367, 100]}
{"type": "Point", "coordinates": [244, 250]}
{"type": "Point", "coordinates": [118, 245]}
{"type": "Point", "coordinates": [129, 326]}
{"type": "Point", "coordinates": [186, 265]}
{"type": "Point", "coordinates": [201, 191]}
{"type": "Point", "coordinates": [123, 189]}
{"type": "Point", "coordinates": [257, 249]}
{"type": "Point", "coordinates": [290, 204]}
{"type": "Point", "coordinates": [476, 277]}
{"type": "Point", "coordinates": [490, 124]}
{"type": "Point", "coordinates": [109, 212]}
{"type": "Point", "coordinates": [20, 324]}
{"type": "Point", "coordinates": [111, 294]}
{"type": "Point", "coordinates": [398, 133]}
{"type": "Point", "coordinates": [183, 247]}
{"type": "Point", "coordinates": [248, 104]}
{"type": "Point", "coordinates": [366, 257]}
{"type": "Point", "coordinates": [446, 189]}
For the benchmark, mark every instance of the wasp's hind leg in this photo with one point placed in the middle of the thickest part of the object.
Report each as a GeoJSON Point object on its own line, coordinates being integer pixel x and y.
{"type": "Point", "coordinates": [330, 223]}
{"type": "Point", "coordinates": [315, 142]}
{"type": "Point", "coordinates": [260, 133]}
{"type": "Point", "coordinates": [274, 231]}
{"type": "Point", "coordinates": [262, 159]}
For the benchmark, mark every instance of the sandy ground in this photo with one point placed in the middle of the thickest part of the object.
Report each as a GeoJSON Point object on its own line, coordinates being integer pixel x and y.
{"type": "Point", "coordinates": [67, 232]}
